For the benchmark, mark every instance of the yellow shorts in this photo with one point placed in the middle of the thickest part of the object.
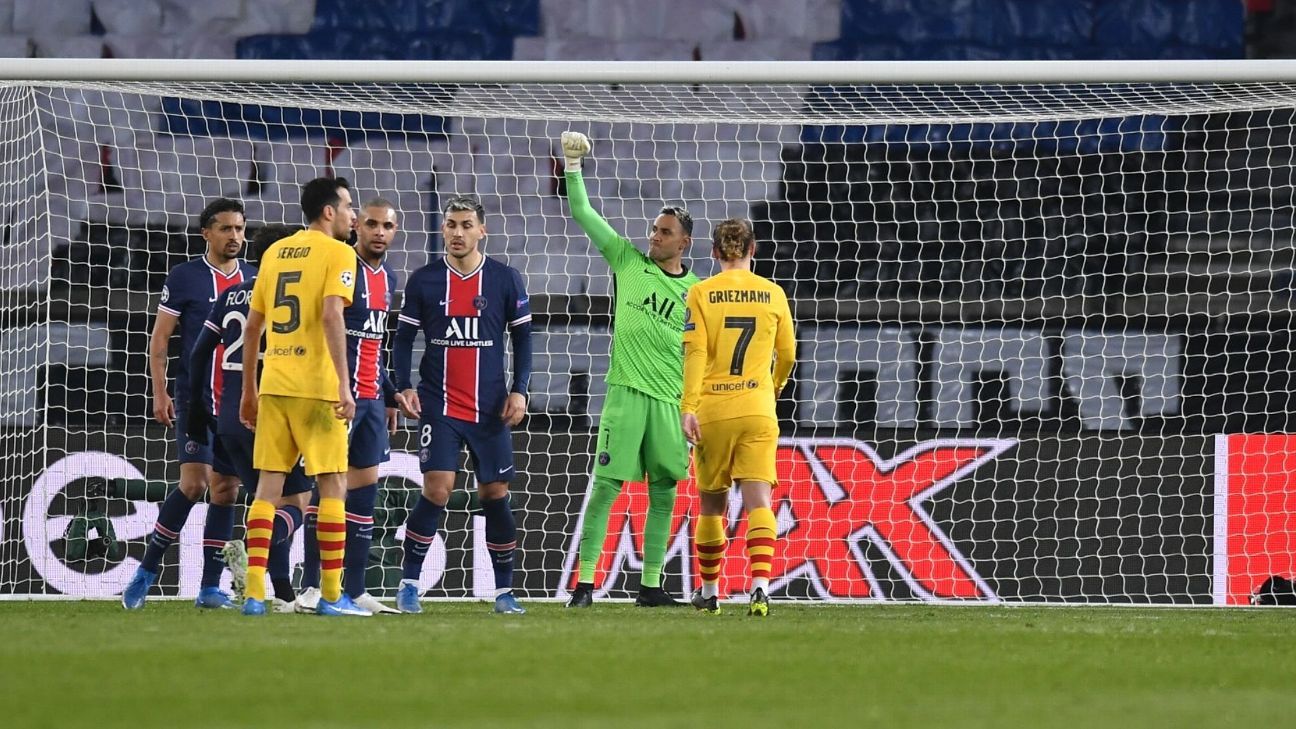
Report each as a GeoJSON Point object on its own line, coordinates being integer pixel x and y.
{"type": "Point", "coordinates": [736, 449]}
{"type": "Point", "coordinates": [289, 428]}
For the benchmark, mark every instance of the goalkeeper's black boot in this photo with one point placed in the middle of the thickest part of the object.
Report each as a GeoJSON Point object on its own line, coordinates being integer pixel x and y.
{"type": "Point", "coordinates": [582, 596]}
{"type": "Point", "coordinates": [655, 597]}
{"type": "Point", "coordinates": [759, 603]}
{"type": "Point", "coordinates": [708, 605]}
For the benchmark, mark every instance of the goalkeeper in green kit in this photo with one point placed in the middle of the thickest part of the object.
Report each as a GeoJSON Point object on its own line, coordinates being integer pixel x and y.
{"type": "Point", "coordinates": [639, 433]}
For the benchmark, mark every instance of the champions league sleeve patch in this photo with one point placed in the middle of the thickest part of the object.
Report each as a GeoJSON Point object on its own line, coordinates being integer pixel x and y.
{"type": "Point", "coordinates": [348, 278]}
{"type": "Point", "coordinates": [166, 294]}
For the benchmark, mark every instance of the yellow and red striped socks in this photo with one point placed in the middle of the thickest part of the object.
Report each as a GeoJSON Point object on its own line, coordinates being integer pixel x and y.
{"type": "Point", "coordinates": [710, 542]}
{"type": "Point", "coordinates": [260, 527]}
{"type": "Point", "coordinates": [331, 531]}
{"type": "Point", "coordinates": [762, 531]}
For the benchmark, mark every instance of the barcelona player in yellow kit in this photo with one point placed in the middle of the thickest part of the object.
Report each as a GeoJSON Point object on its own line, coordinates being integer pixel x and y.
{"type": "Point", "coordinates": [302, 405]}
{"type": "Point", "coordinates": [739, 346]}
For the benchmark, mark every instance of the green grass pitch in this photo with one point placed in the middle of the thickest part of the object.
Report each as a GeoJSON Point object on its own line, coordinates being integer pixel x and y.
{"type": "Point", "coordinates": [90, 664]}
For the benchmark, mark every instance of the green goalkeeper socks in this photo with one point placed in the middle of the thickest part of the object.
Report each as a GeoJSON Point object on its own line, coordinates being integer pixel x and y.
{"type": "Point", "coordinates": [594, 529]}
{"type": "Point", "coordinates": [657, 527]}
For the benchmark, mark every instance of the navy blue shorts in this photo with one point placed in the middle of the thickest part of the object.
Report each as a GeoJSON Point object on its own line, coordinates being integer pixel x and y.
{"type": "Point", "coordinates": [490, 444]}
{"type": "Point", "coordinates": [237, 443]}
{"type": "Point", "coordinates": [189, 451]}
{"type": "Point", "coordinates": [370, 442]}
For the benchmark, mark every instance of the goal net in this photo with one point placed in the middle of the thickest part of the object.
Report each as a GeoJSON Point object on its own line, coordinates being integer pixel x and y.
{"type": "Point", "coordinates": [1044, 323]}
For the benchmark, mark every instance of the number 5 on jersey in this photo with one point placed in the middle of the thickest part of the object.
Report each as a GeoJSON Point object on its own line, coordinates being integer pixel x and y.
{"type": "Point", "coordinates": [290, 301]}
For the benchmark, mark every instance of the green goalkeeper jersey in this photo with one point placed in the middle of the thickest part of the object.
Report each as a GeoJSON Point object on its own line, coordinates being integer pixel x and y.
{"type": "Point", "coordinates": [648, 317]}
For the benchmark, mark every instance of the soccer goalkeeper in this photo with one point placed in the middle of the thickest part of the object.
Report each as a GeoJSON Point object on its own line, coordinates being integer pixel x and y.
{"type": "Point", "coordinates": [640, 429]}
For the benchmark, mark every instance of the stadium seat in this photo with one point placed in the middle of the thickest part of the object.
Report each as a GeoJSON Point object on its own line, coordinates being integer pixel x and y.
{"type": "Point", "coordinates": [389, 16]}
{"type": "Point", "coordinates": [1051, 23]}
{"type": "Point", "coordinates": [181, 17]}
{"type": "Point", "coordinates": [209, 167]}
{"type": "Point", "coordinates": [510, 17]}
{"type": "Point", "coordinates": [152, 196]}
{"type": "Point", "coordinates": [275, 16]}
{"type": "Point", "coordinates": [46, 20]}
{"type": "Point", "coordinates": [473, 44]}
{"type": "Point", "coordinates": [762, 49]}
{"type": "Point", "coordinates": [71, 46]}
{"type": "Point", "coordinates": [281, 169]}
{"type": "Point", "coordinates": [129, 17]}
{"type": "Point", "coordinates": [15, 46]}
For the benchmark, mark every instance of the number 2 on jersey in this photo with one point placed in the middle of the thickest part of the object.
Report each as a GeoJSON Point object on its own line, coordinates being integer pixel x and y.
{"type": "Point", "coordinates": [290, 301]}
{"type": "Point", "coordinates": [228, 360]}
{"type": "Point", "coordinates": [746, 326]}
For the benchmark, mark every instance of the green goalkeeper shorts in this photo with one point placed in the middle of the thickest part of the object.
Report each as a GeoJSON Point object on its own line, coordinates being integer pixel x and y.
{"type": "Point", "coordinates": [640, 435]}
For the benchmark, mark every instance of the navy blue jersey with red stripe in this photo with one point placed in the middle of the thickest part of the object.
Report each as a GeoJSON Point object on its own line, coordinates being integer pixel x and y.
{"type": "Point", "coordinates": [190, 290]}
{"type": "Point", "coordinates": [227, 320]}
{"type": "Point", "coordinates": [366, 325]}
{"type": "Point", "coordinates": [464, 319]}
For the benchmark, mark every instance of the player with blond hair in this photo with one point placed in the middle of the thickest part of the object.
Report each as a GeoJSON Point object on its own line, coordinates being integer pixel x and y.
{"type": "Point", "coordinates": [739, 347]}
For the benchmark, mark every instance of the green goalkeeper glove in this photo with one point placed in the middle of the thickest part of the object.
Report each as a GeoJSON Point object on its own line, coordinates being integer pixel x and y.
{"type": "Point", "coordinates": [575, 146]}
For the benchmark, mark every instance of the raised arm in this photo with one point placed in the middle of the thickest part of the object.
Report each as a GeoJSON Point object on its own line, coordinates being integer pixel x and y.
{"type": "Point", "coordinates": [614, 248]}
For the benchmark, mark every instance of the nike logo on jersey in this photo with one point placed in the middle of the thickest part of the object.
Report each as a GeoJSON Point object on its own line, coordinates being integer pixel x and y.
{"type": "Point", "coordinates": [506, 469]}
{"type": "Point", "coordinates": [444, 302]}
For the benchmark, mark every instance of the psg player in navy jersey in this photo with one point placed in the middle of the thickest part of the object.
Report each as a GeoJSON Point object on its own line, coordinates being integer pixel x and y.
{"type": "Point", "coordinates": [190, 289]}
{"type": "Point", "coordinates": [376, 400]}
{"type": "Point", "coordinates": [463, 304]}
{"type": "Point", "coordinates": [223, 332]}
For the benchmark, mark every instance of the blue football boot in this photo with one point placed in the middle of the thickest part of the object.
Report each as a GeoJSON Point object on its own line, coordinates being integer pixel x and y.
{"type": "Point", "coordinates": [507, 604]}
{"type": "Point", "coordinates": [213, 598]}
{"type": "Point", "coordinates": [137, 589]}
{"type": "Point", "coordinates": [407, 598]}
{"type": "Point", "coordinates": [252, 606]}
{"type": "Point", "coordinates": [342, 607]}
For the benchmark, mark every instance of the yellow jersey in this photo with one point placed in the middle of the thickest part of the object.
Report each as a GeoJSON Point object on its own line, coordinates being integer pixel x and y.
{"type": "Point", "coordinates": [739, 346]}
{"type": "Point", "coordinates": [296, 274]}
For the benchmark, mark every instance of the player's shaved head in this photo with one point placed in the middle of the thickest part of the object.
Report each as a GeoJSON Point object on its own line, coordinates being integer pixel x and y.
{"type": "Point", "coordinates": [375, 229]}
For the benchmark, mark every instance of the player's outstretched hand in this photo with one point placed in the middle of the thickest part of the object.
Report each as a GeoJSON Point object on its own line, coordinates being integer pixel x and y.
{"type": "Point", "coordinates": [692, 431]}
{"type": "Point", "coordinates": [197, 423]}
{"type": "Point", "coordinates": [514, 409]}
{"type": "Point", "coordinates": [575, 146]}
{"type": "Point", "coordinates": [164, 410]}
{"type": "Point", "coordinates": [408, 400]}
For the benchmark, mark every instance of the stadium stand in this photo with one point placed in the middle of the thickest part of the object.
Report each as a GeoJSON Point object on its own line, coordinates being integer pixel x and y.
{"type": "Point", "coordinates": [874, 204]}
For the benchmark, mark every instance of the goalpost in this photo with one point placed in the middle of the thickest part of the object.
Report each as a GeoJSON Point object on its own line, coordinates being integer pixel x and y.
{"type": "Point", "coordinates": [1044, 308]}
